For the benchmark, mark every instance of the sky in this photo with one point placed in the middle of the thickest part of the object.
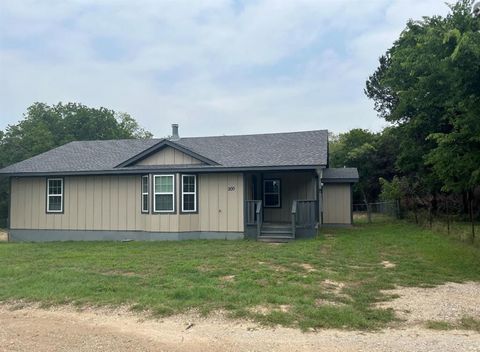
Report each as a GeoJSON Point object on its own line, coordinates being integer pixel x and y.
{"type": "Point", "coordinates": [215, 67]}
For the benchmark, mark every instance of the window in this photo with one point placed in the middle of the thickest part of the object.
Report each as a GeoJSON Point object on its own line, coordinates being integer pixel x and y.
{"type": "Point", "coordinates": [145, 193]}
{"type": "Point", "coordinates": [189, 193]}
{"type": "Point", "coordinates": [54, 195]}
{"type": "Point", "coordinates": [271, 193]}
{"type": "Point", "coordinates": [164, 193]}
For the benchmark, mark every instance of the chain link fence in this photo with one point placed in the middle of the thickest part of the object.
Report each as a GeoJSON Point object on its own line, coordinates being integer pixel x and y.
{"type": "Point", "coordinates": [447, 219]}
{"type": "Point", "coordinates": [375, 212]}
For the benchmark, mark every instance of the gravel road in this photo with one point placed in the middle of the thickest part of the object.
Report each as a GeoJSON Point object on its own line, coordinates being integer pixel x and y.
{"type": "Point", "coordinates": [30, 328]}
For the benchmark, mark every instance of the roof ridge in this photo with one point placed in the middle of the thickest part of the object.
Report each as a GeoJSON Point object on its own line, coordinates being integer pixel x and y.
{"type": "Point", "coordinates": [256, 134]}
{"type": "Point", "coordinates": [116, 140]}
{"type": "Point", "coordinates": [159, 139]}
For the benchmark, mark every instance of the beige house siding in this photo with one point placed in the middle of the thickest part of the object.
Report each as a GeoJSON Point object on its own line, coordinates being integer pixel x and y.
{"type": "Point", "coordinates": [337, 203]}
{"type": "Point", "coordinates": [114, 203]}
{"type": "Point", "coordinates": [169, 156]}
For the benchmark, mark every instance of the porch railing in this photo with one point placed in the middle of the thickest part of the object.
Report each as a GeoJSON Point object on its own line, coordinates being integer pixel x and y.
{"type": "Point", "coordinates": [254, 214]}
{"type": "Point", "coordinates": [304, 214]}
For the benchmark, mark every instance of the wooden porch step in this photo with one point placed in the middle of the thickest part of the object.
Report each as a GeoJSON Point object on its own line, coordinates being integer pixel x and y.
{"type": "Point", "coordinates": [275, 239]}
{"type": "Point", "coordinates": [282, 227]}
{"type": "Point", "coordinates": [276, 224]}
{"type": "Point", "coordinates": [279, 229]}
{"type": "Point", "coordinates": [281, 232]}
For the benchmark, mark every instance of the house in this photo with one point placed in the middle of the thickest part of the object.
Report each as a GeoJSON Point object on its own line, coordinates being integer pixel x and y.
{"type": "Point", "coordinates": [227, 187]}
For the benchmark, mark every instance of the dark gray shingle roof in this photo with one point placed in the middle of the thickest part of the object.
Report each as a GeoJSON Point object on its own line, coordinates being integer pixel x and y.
{"type": "Point", "coordinates": [81, 156]}
{"type": "Point", "coordinates": [340, 174]}
{"type": "Point", "coordinates": [275, 149]}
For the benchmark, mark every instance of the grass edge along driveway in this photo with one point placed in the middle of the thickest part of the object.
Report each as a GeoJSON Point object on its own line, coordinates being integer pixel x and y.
{"type": "Point", "coordinates": [332, 281]}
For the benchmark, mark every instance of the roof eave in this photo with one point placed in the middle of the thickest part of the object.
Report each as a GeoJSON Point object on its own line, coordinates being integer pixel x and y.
{"type": "Point", "coordinates": [339, 180]}
{"type": "Point", "coordinates": [137, 171]}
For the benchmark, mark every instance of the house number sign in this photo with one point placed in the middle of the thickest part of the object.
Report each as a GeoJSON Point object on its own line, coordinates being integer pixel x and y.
{"type": "Point", "coordinates": [231, 188]}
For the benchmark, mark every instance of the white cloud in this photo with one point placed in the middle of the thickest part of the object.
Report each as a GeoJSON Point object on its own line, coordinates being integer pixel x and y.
{"type": "Point", "coordinates": [212, 66]}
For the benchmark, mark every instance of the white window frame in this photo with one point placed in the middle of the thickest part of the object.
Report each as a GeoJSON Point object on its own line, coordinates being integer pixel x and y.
{"type": "Point", "coordinates": [194, 194]}
{"type": "Point", "coordinates": [155, 193]}
{"type": "Point", "coordinates": [147, 177]}
{"type": "Point", "coordinates": [279, 193]}
{"type": "Point", "coordinates": [54, 195]}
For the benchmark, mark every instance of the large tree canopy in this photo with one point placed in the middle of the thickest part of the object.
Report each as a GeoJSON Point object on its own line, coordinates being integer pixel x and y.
{"type": "Point", "coordinates": [428, 86]}
{"type": "Point", "coordinates": [45, 127]}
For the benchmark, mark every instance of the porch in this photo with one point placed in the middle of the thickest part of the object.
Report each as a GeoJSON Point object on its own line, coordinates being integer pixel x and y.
{"type": "Point", "coordinates": [281, 206]}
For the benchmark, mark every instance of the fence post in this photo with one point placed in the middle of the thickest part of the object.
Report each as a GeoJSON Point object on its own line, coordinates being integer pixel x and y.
{"type": "Point", "coordinates": [448, 216]}
{"type": "Point", "coordinates": [399, 216]}
{"type": "Point", "coordinates": [430, 216]}
{"type": "Point", "coordinates": [415, 211]}
{"type": "Point", "coordinates": [471, 218]}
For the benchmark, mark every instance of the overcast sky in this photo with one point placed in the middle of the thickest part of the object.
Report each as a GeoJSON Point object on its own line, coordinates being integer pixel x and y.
{"type": "Point", "coordinates": [213, 66]}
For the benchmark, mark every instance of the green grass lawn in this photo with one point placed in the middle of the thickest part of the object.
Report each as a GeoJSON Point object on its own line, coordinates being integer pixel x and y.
{"type": "Point", "coordinates": [331, 281]}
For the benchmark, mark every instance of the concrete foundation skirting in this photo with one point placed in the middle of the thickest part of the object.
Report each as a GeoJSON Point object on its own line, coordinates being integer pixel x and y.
{"type": "Point", "coordinates": [28, 235]}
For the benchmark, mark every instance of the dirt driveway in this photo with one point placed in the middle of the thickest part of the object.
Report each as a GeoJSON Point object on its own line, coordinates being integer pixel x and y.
{"type": "Point", "coordinates": [66, 329]}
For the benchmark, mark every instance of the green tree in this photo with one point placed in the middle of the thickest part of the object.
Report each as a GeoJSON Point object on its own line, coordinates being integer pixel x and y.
{"type": "Point", "coordinates": [373, 154]}
{"type": "Point", "coordinates": [456, 158]}
{"type": "Point", "coordinates": [45, 127]}
{"type": "Point", "coordinates": [427, 85]}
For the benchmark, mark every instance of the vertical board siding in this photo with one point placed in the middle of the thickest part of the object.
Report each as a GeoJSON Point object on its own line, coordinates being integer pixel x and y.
{"type": "Point", "coordinates": [337, 204]}
{"type": "Point", "coordinates": [203, 201]}
{"type": "Point", "coordinates": [122, 203]}
{"type": "Point", "coordinates": [232, 209]}
{"type": "Point", "coordinates": [97, 203]}
{"type": "Point", "coordinates": [131, 205]}
{"type": "Point", "coordinates": [90, 211]}
{"type": "Point", "coordinates": [36, 197]}
{"type": "Point", "coordinates": [28, 188]}
{"type": "Point", "coordinates": [16, 217]}
{"type": "Point", "coordinates": [213, 205]}
{"type": "Point", "coordinates": [71, 198]}
{"type": "Point", "coordinates": [81, 203]}
{"type": "Point", "coordinates": [114, 203]}
{"type": "Point", "coordinates": [105, 220]}
{"type": "Point", "coordinates": [114, 198]}
{"type": "Point", "coordinates": [222, 203]}
{"type": "Point", "coordinates": [169, 156]}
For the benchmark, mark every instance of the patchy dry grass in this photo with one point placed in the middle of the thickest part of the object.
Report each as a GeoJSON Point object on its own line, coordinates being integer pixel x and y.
{"type": "Point", "coordinates": [332, 281]}
{"type": "Point", "coordinates": [466, 323]}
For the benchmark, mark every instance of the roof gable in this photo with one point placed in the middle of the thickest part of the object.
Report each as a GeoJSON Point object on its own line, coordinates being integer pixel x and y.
{"type": "Point", "coordinates": [166, 152]}
{"type": "Point", "coordinates": [169, 156]}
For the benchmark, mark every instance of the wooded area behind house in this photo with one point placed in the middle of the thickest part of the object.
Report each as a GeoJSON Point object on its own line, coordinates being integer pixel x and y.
{"type": "Point", "coordinates": [427, 87]}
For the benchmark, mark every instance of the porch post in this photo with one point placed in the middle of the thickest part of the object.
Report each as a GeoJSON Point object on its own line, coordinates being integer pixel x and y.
{"type": "Point", "coordinates": [319, 195]}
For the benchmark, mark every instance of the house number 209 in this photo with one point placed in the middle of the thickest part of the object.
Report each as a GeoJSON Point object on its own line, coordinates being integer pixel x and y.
{"type": "Point", "coordinates": [231, 188]}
